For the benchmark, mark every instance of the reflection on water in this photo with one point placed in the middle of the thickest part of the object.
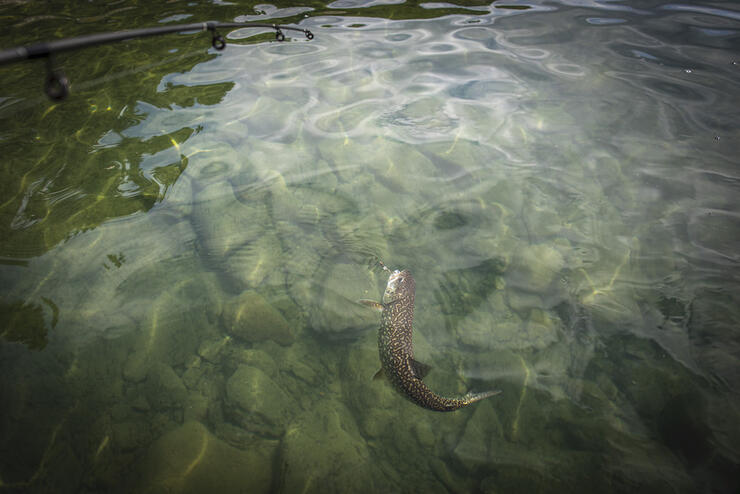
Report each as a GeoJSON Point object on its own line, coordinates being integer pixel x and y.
{"type": "Point", "coordinates": [185, 238]}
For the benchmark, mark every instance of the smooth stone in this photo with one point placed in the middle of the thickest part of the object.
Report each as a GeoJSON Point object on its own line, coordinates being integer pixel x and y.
{"type": "Point", "coordinates": [137, 366]}
{"type": "Point", "coordinates": [255, 357]}
{"type": "Point", "coordinates": [424, 434]}
{"type": "Point", "coordinates": [324, 452]}
{"type": "Point", "coordinates": [522, 301]}
{"type": "Point", "coordinates": [536, 267]}
{"type": "Point", "coordinates": [250, 264]}
{"type": "Point", "coordinates": [482, 432]}
{"type": "Point", "coordinates": [371, 398]}
{"type": "Point", "coordinates": [261, 403]}
{"type": "Point", "coordinates": [129, 436]}
{"type": "Point", "coordinates": [196, 407]}
{"type": "Point", "coordinates": [140, 404]}
{"type": "Point", "coordinates": [251, 318]}
{"type": "Point", "coordinates": [541, 329]}
{"type": "Point", "coordinates": [338, 310]}
{"type": "Point", "coordinates": [222, 223]}
{"type": "Point", "coordinates": [211, 349]}
{"type": "Point", "coordinates": [163, 388]}
{"type": "Point", "coordinates": [194, 371]}
{"type": "Point", "coordinates": [481, 332]}
{"type": "Point", "coordinates": [190, 459]}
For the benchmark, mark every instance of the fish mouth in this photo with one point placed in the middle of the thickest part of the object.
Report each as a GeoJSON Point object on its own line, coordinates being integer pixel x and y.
{"type": "Point", "coordinates": [392, 285]}
{"type": "Point", "coordinates": [393, 280]}
{"type": "Point", "coordinates": [394, 276]}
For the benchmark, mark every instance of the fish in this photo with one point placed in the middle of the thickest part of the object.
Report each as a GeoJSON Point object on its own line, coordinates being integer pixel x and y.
{"type": "Point", "coordinates": [396, 349]}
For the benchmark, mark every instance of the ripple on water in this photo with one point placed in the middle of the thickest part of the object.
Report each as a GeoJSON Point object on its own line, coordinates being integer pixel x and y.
{"type": "Point", "coordinates": [478, 90]}
{"type": "Point", "coordinates": [666, 86]}
{"type": "Point", "coordinates": [434, 48]}
{"type": "Point", "coordinates": [294, 49]}
{"type": "Point", "coordinates": [715, 233]}
{"type": "Point", "coordinates": [345, 121]}
{"type": "Point", "coordinates": [398, 38]}
{"type": "Point", "coordinates": [269, 12]}
{"type": "Point", "coordinates": [424, 120]}
{"type": "Point", "coordinates": [566, 69]}
{"type": "Point", "coordinates": [375, 50]}
{"type": "Point", "coordinates": [474, 33]}
{"type": "Point", "coordinates": [533, 53]}
{"type": "Point", "coordinates": [357, 4]}
{"type": "Point", "coordinates": [603, 21]}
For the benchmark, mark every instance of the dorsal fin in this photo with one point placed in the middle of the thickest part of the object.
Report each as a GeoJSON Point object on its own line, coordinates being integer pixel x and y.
{"type": "Point", "coordinates": [419, 369]}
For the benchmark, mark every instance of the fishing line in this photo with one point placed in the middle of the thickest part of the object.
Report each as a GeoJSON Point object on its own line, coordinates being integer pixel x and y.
{"type": "Point", "coordinates": [57, 85]}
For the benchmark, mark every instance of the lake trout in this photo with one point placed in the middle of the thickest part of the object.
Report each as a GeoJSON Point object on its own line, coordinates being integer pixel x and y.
{"type": "Point", "coordinates": [396, 350]}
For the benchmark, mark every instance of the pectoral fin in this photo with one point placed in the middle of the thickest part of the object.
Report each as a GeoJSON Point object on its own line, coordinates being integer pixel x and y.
{"type": "Point", "coordinates": [419, 369]}
{"type": "Point", "coordinates": [371, 303]}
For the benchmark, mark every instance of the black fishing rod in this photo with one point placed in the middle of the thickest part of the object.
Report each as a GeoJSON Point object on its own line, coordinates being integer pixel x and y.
{"type": "Point", "coordinates": [57, 84]}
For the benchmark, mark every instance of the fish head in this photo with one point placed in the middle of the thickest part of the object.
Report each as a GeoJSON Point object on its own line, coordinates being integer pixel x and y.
{"type": "Point", "coordinates": [400, 284]}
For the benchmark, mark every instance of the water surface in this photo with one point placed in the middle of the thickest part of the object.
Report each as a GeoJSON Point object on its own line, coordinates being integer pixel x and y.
{"type": "Point", "coordinates": [184, 239]}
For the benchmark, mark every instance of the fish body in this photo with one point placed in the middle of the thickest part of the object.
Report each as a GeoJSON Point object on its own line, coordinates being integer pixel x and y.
{"type": "Point", "coordinates": [396, 350]}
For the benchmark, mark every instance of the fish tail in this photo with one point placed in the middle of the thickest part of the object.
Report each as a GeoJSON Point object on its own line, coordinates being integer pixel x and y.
{"type": "Point", "coordinates": [473, 397]}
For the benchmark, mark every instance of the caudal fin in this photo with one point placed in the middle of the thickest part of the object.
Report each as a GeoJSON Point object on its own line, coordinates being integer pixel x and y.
{"type": "Point", "coordinates": [473, 397]}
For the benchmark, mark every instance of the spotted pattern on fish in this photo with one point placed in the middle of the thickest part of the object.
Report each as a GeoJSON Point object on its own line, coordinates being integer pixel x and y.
{"type": "Point", "coordinates": [396, 350]}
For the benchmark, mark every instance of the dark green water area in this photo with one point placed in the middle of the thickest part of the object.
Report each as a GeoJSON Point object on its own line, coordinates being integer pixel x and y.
{"type": "Point", "coordinates": [184, 238]}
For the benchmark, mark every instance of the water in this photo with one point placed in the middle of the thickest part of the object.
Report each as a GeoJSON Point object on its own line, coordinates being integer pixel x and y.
{"type": "Point", "coordinates": [183, 241]}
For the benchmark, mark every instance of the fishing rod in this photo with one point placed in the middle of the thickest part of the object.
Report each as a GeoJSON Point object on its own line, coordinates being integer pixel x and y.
{"type": "Point", "coordinates": [57, 84]}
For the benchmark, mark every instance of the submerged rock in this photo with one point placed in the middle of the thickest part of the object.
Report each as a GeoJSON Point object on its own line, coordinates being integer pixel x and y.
{"type": "Point", "coordinates": [541, 329]}
{"type": "Point", "coordinates": [260, 403]}
{"type": "Point", "coordinates": [222, 223]}
{"type": "Point", "coordinates": [190, 459]}
{"type": "Point", "coordinates": [536, 267]}
{"type": "Point", "coordinates": [137, 366]}
{"type": "Point", "coordinates": [130, 435]}
{"type": "Point", "coordinates": [322, 451]}
{"type": "Point", "coordinates": [211, 349]}
{"type": "Point", "coordinates": [483, 432]}
{"type": "Point", "coordinates": [163, 388]}
{"type": "Point", "coordinates": [248, 265]}
{"type": "Point", "coordinates": [480, 332]}
{"type": "Point", "coordinates": [232, 223]}
{"type": "Point", "coordinates": [255, 357]}
{"type": "Point", "coordinates": [338, 310]}
{"type": "Point", "coordinates": [370, 399]}
{"type": "Point", "coordinates": [251, 318]}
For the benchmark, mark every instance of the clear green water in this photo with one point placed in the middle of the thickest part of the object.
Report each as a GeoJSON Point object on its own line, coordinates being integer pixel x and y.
{"type": "Point", "coordinates": [183, 241]}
